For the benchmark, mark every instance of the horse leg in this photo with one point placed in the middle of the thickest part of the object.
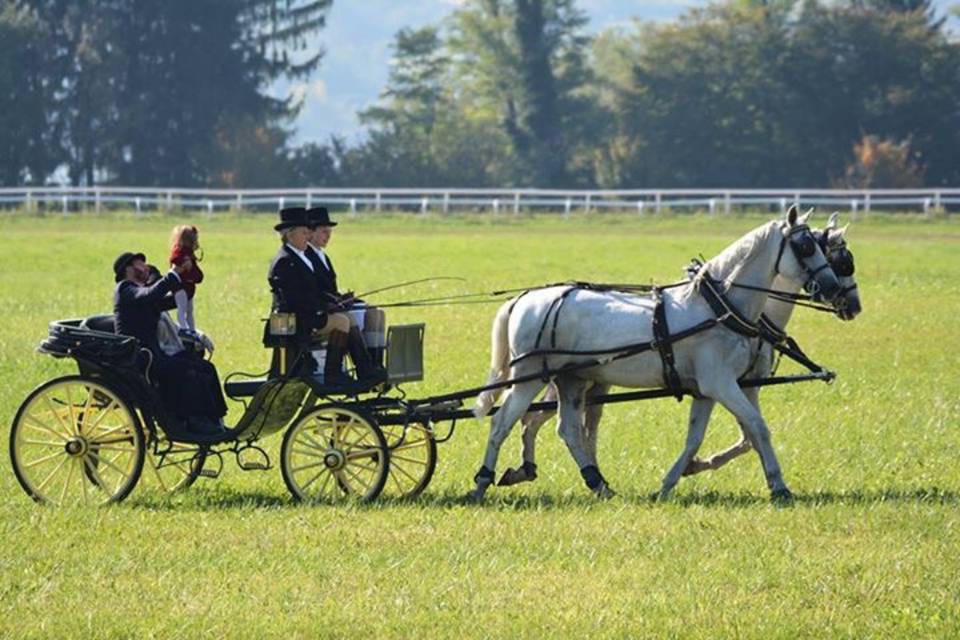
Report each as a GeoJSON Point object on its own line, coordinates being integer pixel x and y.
{"type": "Point", "coordinates": [572, 393]}
{"type": "Point", "coordinates": [733, 399]}
{"type": "Point", "coordinates": [736, 450]}
{"type": "Point", "coordinates": [516, 402]}
{"type": "Point", "coordinates": [531, 421]}
{"type": "Point", "coordinates": [591, 423]}
{"type": "Point", "coordinates": [696, 429]}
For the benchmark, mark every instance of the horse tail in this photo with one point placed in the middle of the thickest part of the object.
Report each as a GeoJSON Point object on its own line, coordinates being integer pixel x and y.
{"type": "Point", "coordinates": [499, 360]}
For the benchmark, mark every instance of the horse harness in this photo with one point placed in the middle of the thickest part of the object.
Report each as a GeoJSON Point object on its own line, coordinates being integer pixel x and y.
{"type": "Point", "coordinates": [726, 314]}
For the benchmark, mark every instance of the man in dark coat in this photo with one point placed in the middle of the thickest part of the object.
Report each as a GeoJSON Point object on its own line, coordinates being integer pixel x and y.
{"type": "Point", "coordinates": [189, 386]}
{"type": "Point", "coordinates": [293, 282]}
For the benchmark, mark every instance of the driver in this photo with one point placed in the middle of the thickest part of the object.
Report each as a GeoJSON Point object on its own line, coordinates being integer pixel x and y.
{"type": "Point", "coordinates": [189, 387]}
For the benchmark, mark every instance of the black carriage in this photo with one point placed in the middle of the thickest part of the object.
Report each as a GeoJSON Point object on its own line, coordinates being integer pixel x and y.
{"type": "Point", "coordinates": [92, 436]}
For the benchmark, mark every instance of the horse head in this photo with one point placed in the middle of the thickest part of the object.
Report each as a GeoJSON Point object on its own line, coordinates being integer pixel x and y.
{"type": "Point", "coordinates": [833, 243]}
{"type": "Point", "coordinates": [802, 260]}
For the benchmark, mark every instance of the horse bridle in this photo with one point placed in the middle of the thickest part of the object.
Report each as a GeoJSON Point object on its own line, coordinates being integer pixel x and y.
{"type": "Point", "coordinates": [839, 258]}
{"type": "Point", "coordinates": [803, 244]}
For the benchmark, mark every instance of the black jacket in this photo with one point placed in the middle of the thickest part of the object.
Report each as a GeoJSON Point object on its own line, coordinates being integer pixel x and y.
{"type": "Point", "coordinates": [295, 290]}
{"type": "Point", "coordinates": [137, 309]}
{"type": "Point", "coordinates": [326, 278]}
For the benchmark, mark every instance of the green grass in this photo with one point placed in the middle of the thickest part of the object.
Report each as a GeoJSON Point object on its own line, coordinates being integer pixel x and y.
{"type": "Point", "coordinates": [869, 549]}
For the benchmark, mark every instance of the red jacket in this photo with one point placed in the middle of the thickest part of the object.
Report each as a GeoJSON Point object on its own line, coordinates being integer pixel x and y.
{"type": "Point", "coordinates": [191, 278]}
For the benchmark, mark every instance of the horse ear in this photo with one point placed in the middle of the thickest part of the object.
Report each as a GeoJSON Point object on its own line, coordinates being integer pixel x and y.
{"type": "Point", "coordinates": [834, 219]}
{"type": "Point", "coordinates": [792, 215]}
{"type": "Point", "coordinates": [805, 217]}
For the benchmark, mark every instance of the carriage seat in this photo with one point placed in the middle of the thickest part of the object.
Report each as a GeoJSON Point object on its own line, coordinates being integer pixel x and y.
{"type": "Point", "coordinates": [243, 388]}
{"type": "Point", "coordinates": [104, 323]}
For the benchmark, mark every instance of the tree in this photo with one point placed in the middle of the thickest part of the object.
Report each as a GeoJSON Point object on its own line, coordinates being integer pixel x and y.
{"type": "Point", "coordinates": [525, 61]}
{"type": "Point", "coordinates": [28, 149]}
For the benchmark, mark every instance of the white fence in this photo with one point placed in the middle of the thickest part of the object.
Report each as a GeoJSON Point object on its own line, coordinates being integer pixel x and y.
{"type": "Point", "coordinates": [493, 200]}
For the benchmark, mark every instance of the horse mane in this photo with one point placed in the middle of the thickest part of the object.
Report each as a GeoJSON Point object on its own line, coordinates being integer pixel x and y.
{"type": "Point", "coordinates": [726, 265]}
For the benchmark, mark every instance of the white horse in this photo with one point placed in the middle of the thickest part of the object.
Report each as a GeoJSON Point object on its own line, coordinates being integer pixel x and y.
{"type": "Point", "coordinates": [583, 323]}
{"type": "Point", "coordinates": [778, 312]}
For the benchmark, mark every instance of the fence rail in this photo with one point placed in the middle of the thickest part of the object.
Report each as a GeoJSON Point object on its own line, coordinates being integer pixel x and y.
{"type": "Point", "coordinates": [640, 201]}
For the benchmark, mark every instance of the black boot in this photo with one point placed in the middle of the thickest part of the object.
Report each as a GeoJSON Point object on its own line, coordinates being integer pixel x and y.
{"type": "Point", "coordinates": [377, 355]}
{"type": "Point", "coordinates": [333, 367]}
{"type": "Point", "coordinates": [367, 371]}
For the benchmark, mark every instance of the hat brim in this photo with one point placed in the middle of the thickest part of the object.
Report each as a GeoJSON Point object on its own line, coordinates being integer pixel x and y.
{"type": "Point", "coordinates": [319, 223]}
{"type": "Point", "coordinates": [289, 225]}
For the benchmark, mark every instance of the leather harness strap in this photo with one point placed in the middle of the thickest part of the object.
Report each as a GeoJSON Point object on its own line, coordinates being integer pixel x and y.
{"type": "Point", "coordinates": [664, 346]}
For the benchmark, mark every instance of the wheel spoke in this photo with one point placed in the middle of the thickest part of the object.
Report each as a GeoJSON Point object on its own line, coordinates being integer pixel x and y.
{"type": "Point", "coordinates": [309, 453]}
{"type": "Point", "coordinates": [404, 472]}
{"type": "Point", "coordinates": [306, 484]}
{"type": "Point", "coordinates": [86, 409]}
{"type": "Point", "coordinates": [306, 466]}
{"type": "Point", "coordinates": [56, 415]}
{"type": "Point", "coordinates": [83, 481]}
{"type": "Point", "coordinates": [359, 480]}
{"type": "Point", "coordinates": [105, 412]}
{"type": "Point", "coordinates": [368, 452]}
{"type": "Point", "coordinates": [52, 473]}
{"type": "Point", "coordinates": [39, 426]}
{"type": "Point", "coordinates": [73, 417]}
{"type": "Point", "coordinates": [110, 430]}
{"type": "Point", "coordinates": [394, 456]}
{"type": "Point", "coordinates": [43, 443]}
{"type": "Point", "coordinates": [34, 463]}
{"type": "Point", "coordinates": [66, 484]}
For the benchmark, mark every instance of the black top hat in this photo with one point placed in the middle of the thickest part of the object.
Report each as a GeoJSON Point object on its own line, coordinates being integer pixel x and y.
{"type": "Point", "coordinates": [124, 260]}
{"type": "Point", "coordinates": [292, 217]}
{"type": "Point", "coordinates": [320, 217]}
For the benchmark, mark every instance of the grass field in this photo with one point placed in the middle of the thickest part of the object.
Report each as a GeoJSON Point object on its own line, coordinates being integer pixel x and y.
{"type": "Point", "coordinates": [871, 547]}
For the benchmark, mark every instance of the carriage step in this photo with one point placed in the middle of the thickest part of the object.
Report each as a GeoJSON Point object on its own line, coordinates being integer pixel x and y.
{"type": "Point", "coordinates": [254, 466]}
{"type": "Point", "coordinates": [209, 473]}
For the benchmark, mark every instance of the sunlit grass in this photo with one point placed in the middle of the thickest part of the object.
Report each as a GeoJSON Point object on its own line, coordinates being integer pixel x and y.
{"type": "Point", "coordinates": [870, 547]}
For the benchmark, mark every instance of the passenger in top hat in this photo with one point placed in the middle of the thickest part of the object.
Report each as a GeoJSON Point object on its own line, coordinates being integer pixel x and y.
{"type": "Point", "coordinates": [189, 387]}
{"type": "Point", "coordinates": [366, 348]}
{"type": "Point", "coordinates": [293, 282]}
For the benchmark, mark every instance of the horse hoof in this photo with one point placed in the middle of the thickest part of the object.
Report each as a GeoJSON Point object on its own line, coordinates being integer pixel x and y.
{"type": "Point", "coordinates": [695, 466]}
{"type": "Point", "coordinates": [781, 496]}
{"type": "Point", "coordinates": [513, 476]}
{"type": "Point", "coordinates": [474, 497]}
{"type": "Point", "coordinates": [604, 492]}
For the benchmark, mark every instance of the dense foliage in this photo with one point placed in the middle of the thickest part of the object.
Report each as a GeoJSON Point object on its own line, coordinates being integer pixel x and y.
{"type": "Point", "coordinates": [742, 93]}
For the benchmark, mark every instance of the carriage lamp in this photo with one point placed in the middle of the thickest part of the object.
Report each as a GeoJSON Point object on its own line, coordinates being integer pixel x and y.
{"type": "Point", "coordinates": [283, 324]}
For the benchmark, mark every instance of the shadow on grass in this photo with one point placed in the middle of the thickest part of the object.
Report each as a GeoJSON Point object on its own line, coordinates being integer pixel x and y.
{"type": "Point", "coordinates": [225, 499]}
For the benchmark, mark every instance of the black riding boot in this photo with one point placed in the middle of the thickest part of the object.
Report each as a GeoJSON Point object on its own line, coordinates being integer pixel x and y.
{"type": "Point", "coordinates": [368, 372]}
{"type": "Point", "coordinates": [333, 367]}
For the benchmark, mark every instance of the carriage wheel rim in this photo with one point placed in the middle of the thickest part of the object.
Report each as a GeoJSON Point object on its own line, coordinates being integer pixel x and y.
{"type": "Point", "coordinates": [75, 442]}
{"type": "Point", "coordinates": [333, 453]}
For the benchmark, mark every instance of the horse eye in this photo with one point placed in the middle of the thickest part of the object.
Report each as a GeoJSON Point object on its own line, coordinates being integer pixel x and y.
{"type": "Point", "coordinates": [806, 247]}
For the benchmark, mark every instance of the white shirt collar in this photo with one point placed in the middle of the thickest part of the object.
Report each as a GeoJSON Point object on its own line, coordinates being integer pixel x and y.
{"type": "Point", "coordinates": [323, 256]}
{"type": "Point", "coordinates": [303, 256]}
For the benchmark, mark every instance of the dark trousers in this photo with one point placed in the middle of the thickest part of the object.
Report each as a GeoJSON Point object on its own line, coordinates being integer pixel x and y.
{"type": "Point", "coordinates": [189, 386]}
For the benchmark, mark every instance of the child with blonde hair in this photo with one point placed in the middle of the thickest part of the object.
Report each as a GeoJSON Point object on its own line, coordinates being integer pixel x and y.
{"type": "Point", "coordinates": [184, 245]}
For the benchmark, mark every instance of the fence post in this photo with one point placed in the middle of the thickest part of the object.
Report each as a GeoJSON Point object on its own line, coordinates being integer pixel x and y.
{"type": "Point", "coordinates": [496, 206]}
{"type": "Point", "coordinates": [136, 203]}
{"type": "Point", "coordinates": [926, 206]}
{"type": "Point", "coordinates": [309, 199]}
{"type": "Point", "coordinates": [567, 205]}
{"type": "Point", "coordinates": [640, 207]}
{"type": "Point", "coordinates": [796, 199]}
{"type": "Point", "coordinates": [209, 206]}
{"type": "Point", "coordinates": [713, 206]}
{"type": "Point", "coordinates": [446, 203]}
{"type": "Point", "coordinates": [866, 202]}
{"type": "Point", "coordinates": [239, 202]}
{"type": "Point", "coordinates": [586, 204]}
{"type": "Point", "coordinates": [28, 201]}
{"type": "Point", "coordinates": [376, 202]}
{"type": "Point", "coordinates": [424, 203]}
{"type": "Point", "coordinates": [853, 207]}
{"type": "Point", "coordinates": [96, 200]}
{"type": "Point", "coordinates": [936, 200]}
{"type": "Point", "coordinates": [783, 206]}
{"type": "Point", "coordinates": [280, 202]}
{"type": "Point", "coordinates": [64, 200]}
{"type": "Point", "coordinates": [516, 202]}
{"type": "Point", "coordinates": [169, 206]}
{"type": "Point", "coordinates": [726, 203]}
{"type": "Point", "coordinates": [353, 206]}
{"type": "Point", "coordinates": [656, 202]}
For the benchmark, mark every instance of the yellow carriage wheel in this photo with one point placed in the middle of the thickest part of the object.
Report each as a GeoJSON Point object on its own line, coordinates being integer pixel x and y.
{"type": "Point", "coordinates": [334, 452]}
{"type": "Point", "coordinates": [413, 459]}
{"type": "Point", "coordinates": [177, 469]}
{"type": "Point", "coordinates": [75, 441]}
